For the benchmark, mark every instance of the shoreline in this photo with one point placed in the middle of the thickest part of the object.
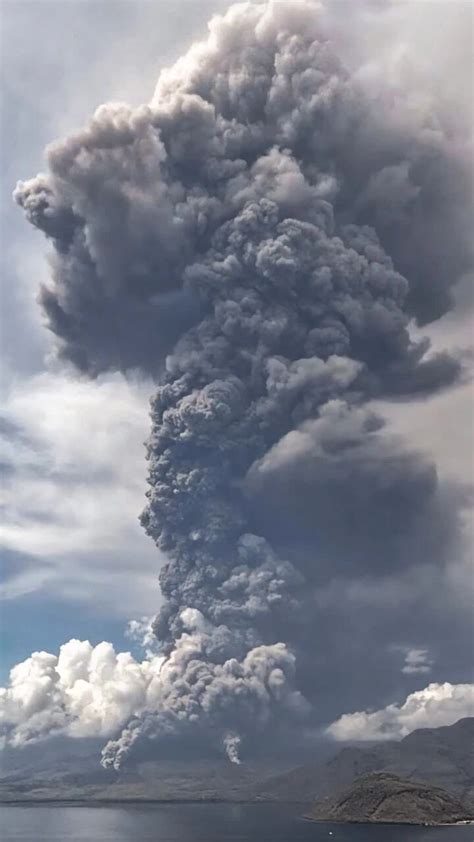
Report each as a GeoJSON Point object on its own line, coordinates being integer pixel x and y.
{"type": "Point", "coordinates": [462, 823]}
{"type": "Point", "coordinates": [96, 802]}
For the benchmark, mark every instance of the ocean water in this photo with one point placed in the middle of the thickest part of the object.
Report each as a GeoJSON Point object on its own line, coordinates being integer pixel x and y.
{"type": "Point", "coordinates": [198, 823]}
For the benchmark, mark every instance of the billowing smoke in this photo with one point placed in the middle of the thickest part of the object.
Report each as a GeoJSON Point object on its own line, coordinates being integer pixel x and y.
{"type": "Point", "coordinates": [259, 237]}
{"type": "Point", "coordinates": [263, 110]}
{"type": "Point", "coordinates": [199, 688]}
{"type": "Point", "coordinates": [231, 744]}
{"type": "Point", "coordinates": [93, 691]}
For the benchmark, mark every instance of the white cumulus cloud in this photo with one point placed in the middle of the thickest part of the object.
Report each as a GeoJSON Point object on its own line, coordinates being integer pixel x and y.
{"type": "Point", "coordinates": [73, 488]}
{"type": "Point", "coordinates": [436, 705]}
{"type": "Point", "coordinates": [84, 691]}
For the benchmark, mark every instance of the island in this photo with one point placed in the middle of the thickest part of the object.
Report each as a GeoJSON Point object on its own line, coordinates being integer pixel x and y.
{"type": "Point", "coordinates": [386, 798]}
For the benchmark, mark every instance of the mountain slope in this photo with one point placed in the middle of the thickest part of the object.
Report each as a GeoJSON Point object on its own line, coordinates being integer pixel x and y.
{"type": "Point", "coordinates": [68, 769]}
{"type": "Point", "coordinates": [442, 756]}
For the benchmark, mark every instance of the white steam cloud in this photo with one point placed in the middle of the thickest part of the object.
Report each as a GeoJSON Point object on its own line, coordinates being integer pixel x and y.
{"type": "Point", "coordinates": [231, 745]}
{"type": "Point", "coordinates": [436, 705]}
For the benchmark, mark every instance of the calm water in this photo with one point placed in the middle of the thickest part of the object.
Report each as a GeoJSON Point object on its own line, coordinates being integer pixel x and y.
{"type": "Point", "coordinates": [197, 823]}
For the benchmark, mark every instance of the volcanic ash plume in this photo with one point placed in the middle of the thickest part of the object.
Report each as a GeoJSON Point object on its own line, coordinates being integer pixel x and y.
{"type": "Point", "coordinates": [258, 237]}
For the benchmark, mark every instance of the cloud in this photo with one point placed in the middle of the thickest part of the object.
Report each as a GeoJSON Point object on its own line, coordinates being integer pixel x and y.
{"type": "Point", "coordinates": [84, 691]}
{"type": "Point", "coordinates": [436, 705]}
{"type": "Point", "coordinates": [417, 661]}
{"type": "Point", "coordinates": [89, 691]}
{"type": "Point", "coordinates": [74, 480]}
{"type": "Point", "coordinates": [141, 632]}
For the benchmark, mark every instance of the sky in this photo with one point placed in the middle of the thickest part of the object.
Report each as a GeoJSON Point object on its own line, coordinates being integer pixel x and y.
{"type": "Point", "coordinates": [77, 564]}
{"type": "Point", "coordinates": [60, 550]}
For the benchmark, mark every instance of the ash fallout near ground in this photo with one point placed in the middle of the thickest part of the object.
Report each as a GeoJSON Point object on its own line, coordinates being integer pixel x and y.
{"type": "Point", "coordinates": [260, 238]}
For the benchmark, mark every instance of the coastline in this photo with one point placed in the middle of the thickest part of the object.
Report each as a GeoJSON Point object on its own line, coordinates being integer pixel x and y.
{"type": "Point", "coordinates": [463, 823]}
{"type": "Point", "coordinates": [96, 802]}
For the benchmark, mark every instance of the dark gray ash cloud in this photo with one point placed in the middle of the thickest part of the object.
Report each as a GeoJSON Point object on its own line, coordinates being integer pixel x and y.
{"type": "Point", "coordinates": [259, 237]}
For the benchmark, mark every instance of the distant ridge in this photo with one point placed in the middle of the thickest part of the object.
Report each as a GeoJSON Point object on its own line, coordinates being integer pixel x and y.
{"type": "Point", "coordinates": [440, 756]}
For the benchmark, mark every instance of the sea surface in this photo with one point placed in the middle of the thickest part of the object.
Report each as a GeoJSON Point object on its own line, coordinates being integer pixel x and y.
{"type": "Point", "coordinates": [198, 823]}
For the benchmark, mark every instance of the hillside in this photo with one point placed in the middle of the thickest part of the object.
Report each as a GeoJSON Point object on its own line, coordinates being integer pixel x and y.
{"type": "Point", "coordinates": [382, 797]}
{"type": "Point", "coordinates": [441, 756]}
{"type": "Point", "coordinates": [68, 769]}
